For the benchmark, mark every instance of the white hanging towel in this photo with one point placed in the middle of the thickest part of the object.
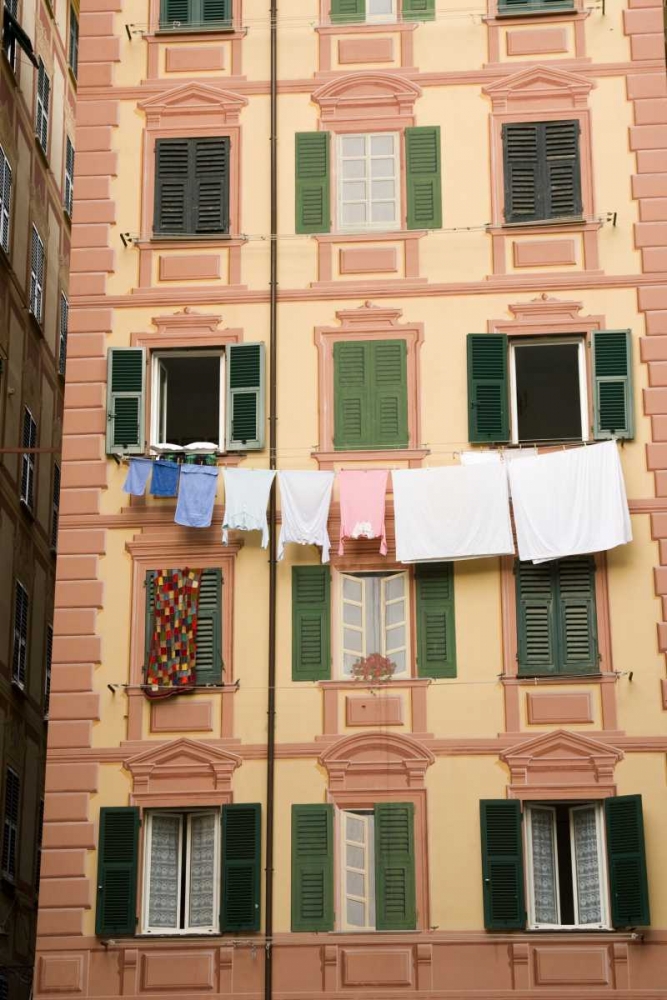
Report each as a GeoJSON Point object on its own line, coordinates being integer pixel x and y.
{"type": "Point", "coordinates": [493, 457]}
{"type": "Point", "coordinates": [246, 498]}
{"type": "Point", "coordinates": [568, 503]}
{"type": "Point", "coordinates": [305, 498]}
{"type": "Point", "coordinates": [455, 512]}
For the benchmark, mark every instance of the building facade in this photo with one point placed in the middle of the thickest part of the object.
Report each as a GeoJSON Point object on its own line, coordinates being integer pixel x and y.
{"type": "Point", "coordinates": [471, 251]}
{"type": "Point", "coordinates": [38, 68]}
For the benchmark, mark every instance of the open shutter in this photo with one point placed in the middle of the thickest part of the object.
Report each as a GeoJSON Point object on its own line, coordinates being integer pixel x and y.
{"type": "Point", "coordinates": [126, 372]}
{"type": "Point", "coordinates": [436, 644]}
{"type": "Point", "coordinates": [536, 618]}
{"type": "Point", "coordinates": [117, 870]}
{"type": "Point", "coordinates": [209, 629]}
{"type": "Point", "coordinates": [502, 864]}
{"type": "Point", "coordinates": [352, 408]}
{"type": "Point", "coordinates": [612, 377]}
{"type": "Point", "coordinates": [312, 868]}
{"type": "Point", "coordinates": [348, 11]}
{"type": "Point", "coordinates": [313, 210]}
{"type": "Point", "coordinates": [626, 855]}
{"type": "Point", "coordinates": [211, 185]}
{"type": "Point", "coordinates": [389, 394]}
{"type": "Point", "coordinates": [578, 647]}
{"type": "Point", "coordinates": [150, 615]}
{"type": "Point", "coordinates": [311, 623]}
{"type": "Point", "coordinates": [521, 171]}
{"type": "Point", "coordinates": [395, 905]}
{"type": "Point", "coordinates": [424, 186]}
{"type": "Point", "coordinates": [241, 860]}
{"type": "Point", "coordinates": [488, 411]}
{"type": "Point", "coordinates": [563, 173]}
{"type": "Point", "coordinates": [418, 10]}
{"type": "Point", "coordinates": [173, 206]}
{"type": "Point", "coordinates": [245, 397]}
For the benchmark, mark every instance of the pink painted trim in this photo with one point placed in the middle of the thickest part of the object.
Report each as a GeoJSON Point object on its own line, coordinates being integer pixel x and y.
{"type": "Point", "coordinates": [561, 765]}
{"type": "Point", "coordinates": [563, 708]}
{"type": "Point", "coordinates": [365, 50]}
{"type": "Point", "coordinates": [544, 253]}
{"type": "Point", "coordinates": [364, 261]}
{"type": "Point", "coordinates": [358, 99]}
{"type": "Point", "coordinates": [168, 774]}
{"type": "Point", "coordinates": [536, 41]}
{"type": "Point", "coordinates": [189, 268]}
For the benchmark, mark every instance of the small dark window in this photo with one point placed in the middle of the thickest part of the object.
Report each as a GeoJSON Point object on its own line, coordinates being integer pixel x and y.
{"type": "Point", "coordinates": [20, 644]}
{"type": "Point", "coordinates": [10, 834]}
{"type": "Point", "coordinates": [190, 397]}
{"type": "Point", "coordinates": [548, 395]}
{"type": "Point", "coordinates": [68, 198]}
{"type": "Point", "coordinates": [73, 41]}
{"type": "Point", "coordinates": [192, 186]}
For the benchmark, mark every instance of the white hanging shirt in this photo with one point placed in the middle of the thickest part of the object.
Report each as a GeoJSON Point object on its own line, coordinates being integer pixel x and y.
{"type": "Point", "coordinates": [568, 503]}
{"type": "Point", "coordinates": [246, 499]}
{"type": "Point", "coordinates": [455, 512]}
{"type": "Point", "coordinates": [305, 498]}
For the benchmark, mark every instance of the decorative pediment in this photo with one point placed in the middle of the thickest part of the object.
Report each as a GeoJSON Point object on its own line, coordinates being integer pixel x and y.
{"type": "Point", "coordinates": [164, 774]}
{"type": "Point", "coordinates": [562, 765]}
{"type": "Point", "coordinates": [367, 95]}
{"type": "Point", "coordinates": [193, 104]}
{"type": "Point", "coordinates": [539, 88]}
{"type": "Point", "coordinates": [368, 315]}
{"type": "Point", "coordinates": [368, 761]}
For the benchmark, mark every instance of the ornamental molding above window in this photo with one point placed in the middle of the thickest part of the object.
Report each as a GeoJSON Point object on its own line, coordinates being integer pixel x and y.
{"type": "Point", "coordinates": [539, 89]}
{"type": "Point", "coordinates": [561, 765]}
{"type": "Point", "coordinates": [193, 105]}
{"type": "Point", "coordinates": [182, 771]}
{"type": "Point", "coordinates": [376, 761]}
{"type": "Point", "coordinates": [362, 97]}
{"type": "Point", "coordinates": [546, 314]}
{"type": "Point", "coordinates": [187, 328]}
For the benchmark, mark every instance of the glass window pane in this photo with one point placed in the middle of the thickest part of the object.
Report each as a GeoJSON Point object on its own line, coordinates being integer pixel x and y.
{"type": "Point", "coordinates": [354, 829]}
{"type": "Point", "coordinates": [164, 871]}
{"type": "Point", "coordinates": [587, 866]}
{"type": "Point", "coordinates": [352, 614]}
{"type": "Point", "coordinates": [355, 190]}
{"type": "Point", "coordinates": [354, 214]}
{"type": "Point", "coordinates": [544, 866]}
{"type": "Point", "coordinates": [349, 659]}
{"type": "Point", "coordinates": [395, 638]}
{"type": "Point", "coordinates": [352, 589]}
{"type": "Point", "coordinates": [382, 167]}
{"type": "Point", "coordinates": [395, 613]}
{"type": "Point", "coordinates": [382, 145]}
{"type": "Point", "coordinates": [355, 884]}
{"type": "Point", "coordinates": [356, 857]}
{"type": "Point", "coordinates": [352, 641]}
{"type": "Point", "coordinates": [395, 587]}
{"type": "Point", "coordinates": [356, 913]}
{"type": "Point", "coordinates": [383, 211]}
{"type": "Point", "coordinates": [353, 145]}
{"type": "Point", "coordinates": [383, 189]}
{"type": "Point", "coordinates": [202, 869]}
{"type": "Point", "coordinates": [353, 169]}
{"type": "Point", "coordinates": [400, 661]}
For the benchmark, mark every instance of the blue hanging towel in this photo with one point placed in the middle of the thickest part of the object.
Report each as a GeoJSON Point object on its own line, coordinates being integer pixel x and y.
{"type": "Point", "coordinates": [165, 478]}
{"type": "Point", "coordinates": [137, 476]}
{"type": "Point", "coordinates": [196, 495]}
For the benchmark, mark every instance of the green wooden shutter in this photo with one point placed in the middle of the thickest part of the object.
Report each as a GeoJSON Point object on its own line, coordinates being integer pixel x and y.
{"type": "Point", "coordinates": [245, 397]}
{"type": "Point", "coordinates": [536, 618]}
{"type": "Point", "coordinates": [626, 856]}
{"type": "Point", "coordinates": [436, 642]}
{"type": "Point", "coordinates": [241, 861]}
{"type": "Point", "coordinates": [118, 851]}
{"type": "Point", "coordinates": [612, 377]}
{"type": "Point", "coordinates": [126, 372]}
{"type": "Point", "coordinates": [312, 868]}
{"type": "Point", "coordinates": [395, 904]}
{"type": "Point", "coordinates": [418, 10]}
{"type": "Point", "coordinates": [488, 409]}
{"type": "Point", "coordinates": [348, 11]}
{"type": "Point", "coordinates": [209, 628]}
{"type": "Point", "coordinates": [150, 615]}
{"type": "Point", "coordinates": [516, 7]}
{"type": "Point", "coordinates": [389, 394]}
{"type": "Point", "coordinates": [216, 13]}
{"type": "Point", "coordinates": [313, 210]}
{"type": "Point", "coordinates": [173, 201]}
{"type": "Point", "coordinates": [174, 13]}
{"type": "Point", "coordinates": [577, 618]}
{"type": "Point", "coordinates": [352, 394]}
{"type": "Point", "coordinates": [562, 169]}
{"type": "Point", "coordinates": [521, 171]}
{"type": "Point", "coordinates": [311, 623]}
{"type": "Point", "coordinates": [210, 192]}
{"type": "Point", "coordinates": [542, 173]}
{"type": "Point", "coordinates": [502, 864]}
{"type": "Point", "coordinates": [424, 185]}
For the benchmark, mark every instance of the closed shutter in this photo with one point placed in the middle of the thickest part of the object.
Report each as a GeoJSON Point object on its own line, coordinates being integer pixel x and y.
{"type": "Point", "coordinates": [563, 173]}
{"type": "Point", "coordinates": [172, 167]}
{"type": "Point", "coordinates": [626, 855]}
{"type": "Point", "coordinates": [55, 506]}
{"type": "Point", "coordinates": [612, 377]}
{"type": "Point", "coordinates": [174, 13]}
{"type": "Point", "coordinates": [5, 200]}
{"type": "Point", "coordinates": [205, 14]}
{"type": "Point", "coordinates": [126, 372]}
{"type": "Point", "coordinates": [117, 870]}
{"type": "Point", "coordinates": [578, 648]}
{"type": "Point", "coordinates": [10, 834]}
{"type": "Point", "coordinates": [537, 618]}
{"type": "Point", "coordinates": [424, 185]}
{"type": "Point", "coordinates": [395, 904]}
{"type": "Point", "coordinates": [436, 643]}
{"type": "Point", "coordinates": [36, 275]}
{"type": "Point", "coordinates": [209, 665]}
{"type": "Point", "coordinates": [28, 460]}
{"type": "Point", "coordinates": [542, 171]}
{"type": "Point", "coordinates": [521, 171]}
{"type": "Point", "coordinates": [73, 41]}
{"type": "Point", "coordinates": [245, 397]}
{"type": "Point", "coordinates": [348, 11]}
{"type": "Point", "coordinates": [418, 10]}
{"type": "Point", "coordinates": [150, 616]}
{"type": "Point", "coordinates": [211, 185]}
{"type": "Point", "coordinates": [352, 417]}
{"type": "Point", "coordinates": [312, 868]}
{"type": "Point", "coordinates": [64, 325]}
{"type": "Point", "coordinates": [389, 394]}
{"type": "Point", "coordinates": [241, 860]}
{"type": "Point", "coordinates": [502, 864]}
{"type": "Point", "coordinates": [216, 13]}
{"type": "Point", "coordinates": [47, 670]}
{"type": "Point", "coordinates": [20, 644]}
{"type": "Point", "coordinates": [488, 410]}
{"type": "Point", "coordinates": [370, 394]}
{"type": "Point", "coordinates": [311, 623]}
{"type": "Point", "coordinates": [313, 208]}
{"type": "Point", "coordinates": [42, 104]}
{"type": "Point", "coordinates": [517, 7]}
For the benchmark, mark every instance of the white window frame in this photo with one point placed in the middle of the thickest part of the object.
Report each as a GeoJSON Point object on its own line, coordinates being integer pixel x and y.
{"type": "Point", "coordinates": [37, 273]}
{"type": "Point", "coordinates": [42, 107]}
{"type": "Point", "coordinates": [367, 816]}
{"type": "Point", "coordinates": [157, 417]}
{"type": "Point", "coordinates": [390, 18]}
{"type": "Point", "coordinates": [339, 608]}
{"type": "Point", "coordinates": [602, 867]}
{"type": "Point", "coordinates": [5, 200]}
{"type": "Point", "coordinates": [185, 818]}
{"type": "Point", "coordinates": [373, 227]}
{"type": "Point", "coordinates": [69, 176]}
{"type": "Point", "coordinates": [64, 329]}
{"type": "Point", "coordinates": [583, 381]}
{"type": "Point", "coordinates": [27, 496]}
{"type": "Point", "coordinates": [10, 827]}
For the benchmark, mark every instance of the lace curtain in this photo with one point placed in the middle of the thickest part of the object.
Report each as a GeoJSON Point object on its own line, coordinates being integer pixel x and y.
{"type": "Point", "coordinates": [164, 877]}
{"type": "Point", "coordinates": [587, 866]}
{"type": "Point", "coordinates": [543, 832]}
{"type": "Point", "coordinates": [202, 870]}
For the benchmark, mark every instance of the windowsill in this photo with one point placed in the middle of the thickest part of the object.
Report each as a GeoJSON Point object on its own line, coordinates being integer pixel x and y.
{"type": "Point", "coordinates": [346, 684]}
{"type": "Point", "coordinates": [197, 29]}
{"type": "Point", "coordinates": [570, 929]}
{"type": "Point", "coordinates": [368, 28]}
{"type": "Point", "coordinates": [505, 14]}
{"type": "Point", "coordinates": [544, 224]}
{"type": "Point", "coordinates": [414, 456]}
{"type": "Point", "coordinates": [162, 241]}
{"type": "Point", "coordinates": [370, 234]}
{"type": "Point", "coordinates": [540, 679]}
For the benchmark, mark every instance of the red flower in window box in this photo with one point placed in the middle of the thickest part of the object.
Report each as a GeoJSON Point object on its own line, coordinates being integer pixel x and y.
{"type": "Point", "coordinates": [373, 669]}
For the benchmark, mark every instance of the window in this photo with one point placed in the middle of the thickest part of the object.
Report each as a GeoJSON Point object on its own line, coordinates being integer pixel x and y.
{"type": "Point", "coordinates": [370, 394]}
{"type": "Point", "coordinates": [42, 107]}
{"type": "Point", "coordinates": [368, 188]}
{"type": "Point", "coordinates": [10, 833]}
{"type": "Point", "coordinates": [178, 379]}
{"type": "Point", "coordinates": [357, 840]}
{"type": "Point", "coordinates": [20, 643]}
{"type": "Point", "coordinates": [204, 15]}
{"type": "Point", "coordinates": [47, 670]}
{"type": "Point", "coordinates": [55, 507]}
{"type": "Point", "coordinates": [542, 171]}
{"type": "Point", "coordinates": [68, 201]}
{"type": "Point", "coordinates": [374, 619]}
{"type": "Point", "coordinates": [73, 41]}
{"type": "Point", "coordinates": [64, 324]}
{"type": "Point", "coordinates": [38, 850]}
{"type": "Point", "coordinates": [37, 270]}
{"type": "Point", "coordinates": [536, 388]}
{"type": "Point", "coordinates": [514, 8]}
{"type": "Point", "coordinates": [9, 43]}
{"type": "Point", "coordinates": [192, 186]}
{"type": "Point", "coordinates": [381, 11]}
{"type": "Point", "coordinates": [28, 440]}
{"type": "Point", "coordinates": [201, 870]}
{"type": "Point", "coordinates": [5, 200]}
{"type": "Point", "coordinates": [4, 987]}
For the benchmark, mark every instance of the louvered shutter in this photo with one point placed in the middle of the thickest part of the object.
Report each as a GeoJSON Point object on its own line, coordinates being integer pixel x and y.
{"type": "Point", "coordinates": [516, 7]}
{"type": "Point", "coordinates": [150, 615]}
{"type": "Point", "coordinates": [521, 171]}
{"type": "Point", "coordinates": [48, 669]}
{"type": "Point", "coordinates": [418, 10]}
{"type": "Point", "coordinates": [352, 411]}
{"type": "Point", "coordinates": [313, 210]}
{"type": "Point", "coordinates": [312, 868]}
{"type": "Point", "coordinates": [488, 410]}
{"type": "Point", "coordinates": [348, 11]}
{"type": "Point", "coordinates": [173, 206]}
{"type": "Point", "coordinates": [64, 327]}
{"type": "Point", "coordinates": [245, 397]}
{"type": "Point", "coordinates": [174, 13]}
{"type": "Point", "coordinates": [211, 185]}
{"type": "Point", "coordinates": [562, 170]}
{"type": "Point", "coordinates": [578, 648]}
{"type": "Point", "coordinates": [502, 864]}
{"type": "Point", "coordinates": [389, 394]}
{"type": "Point", "coordinates": [6, 201]}
{"type": "Point", "coordinates": [209, 628]}
{"type": "Point", "coordinates": [73, 41]}
{"type": "Point", "coordinates": [216, 13]}
{"type": "Point", "coordinates": [117, 860]}
{"type": "Point", "coordinates": [69, 177]}
{"type": "Point", "coordinates": [36, 275]}
{"type": "Point", "coordinates": [241, 861]}
{"type": "Point", "coordinates": [395, 902]}
{"type": "Point", "coordinates": [612, 377]}
{"type": "Point", "coordinates": [42, 107]}
{"type": "Point", "coordinates": [436, 643]}
{"type": "Point", "coordinates": [626, 858]}
{"type": "Point", "coordinates": [55, 506]}
{"type": "Point", "coordinates": [126, 370]}
{"type": "Point", "coordinates": [536, 618]}
{"type": "Point", "coordinates": [541, 170]}
{"type": "Point", "coordinates": [424, 186]}
{"type": "Point", "coordinates": [20, 645]}
{"type": "Point", "coordinates": [311, 623]}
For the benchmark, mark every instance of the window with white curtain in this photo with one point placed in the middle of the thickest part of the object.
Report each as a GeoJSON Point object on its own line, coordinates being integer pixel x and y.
{"type": "Point", "coordinates": [374, 619]}
{"type": "Point", "coordinates": [182, 873]}
{"type": "Point", "coordinates": [566, 866]}
{"type": "Point", "coordinates": [368, 182]}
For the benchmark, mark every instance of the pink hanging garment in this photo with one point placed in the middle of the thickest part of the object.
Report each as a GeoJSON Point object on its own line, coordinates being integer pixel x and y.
{"type": "Point", "coordinates": [362, 501]}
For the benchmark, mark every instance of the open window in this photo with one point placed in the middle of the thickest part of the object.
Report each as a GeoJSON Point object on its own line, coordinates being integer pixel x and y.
{"type": "Point", "coordinates": [188, 398]}
{"type": "Point", "coordinates": [374, 619]}
{"type": "Point", "coordinates": [548, 393]}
